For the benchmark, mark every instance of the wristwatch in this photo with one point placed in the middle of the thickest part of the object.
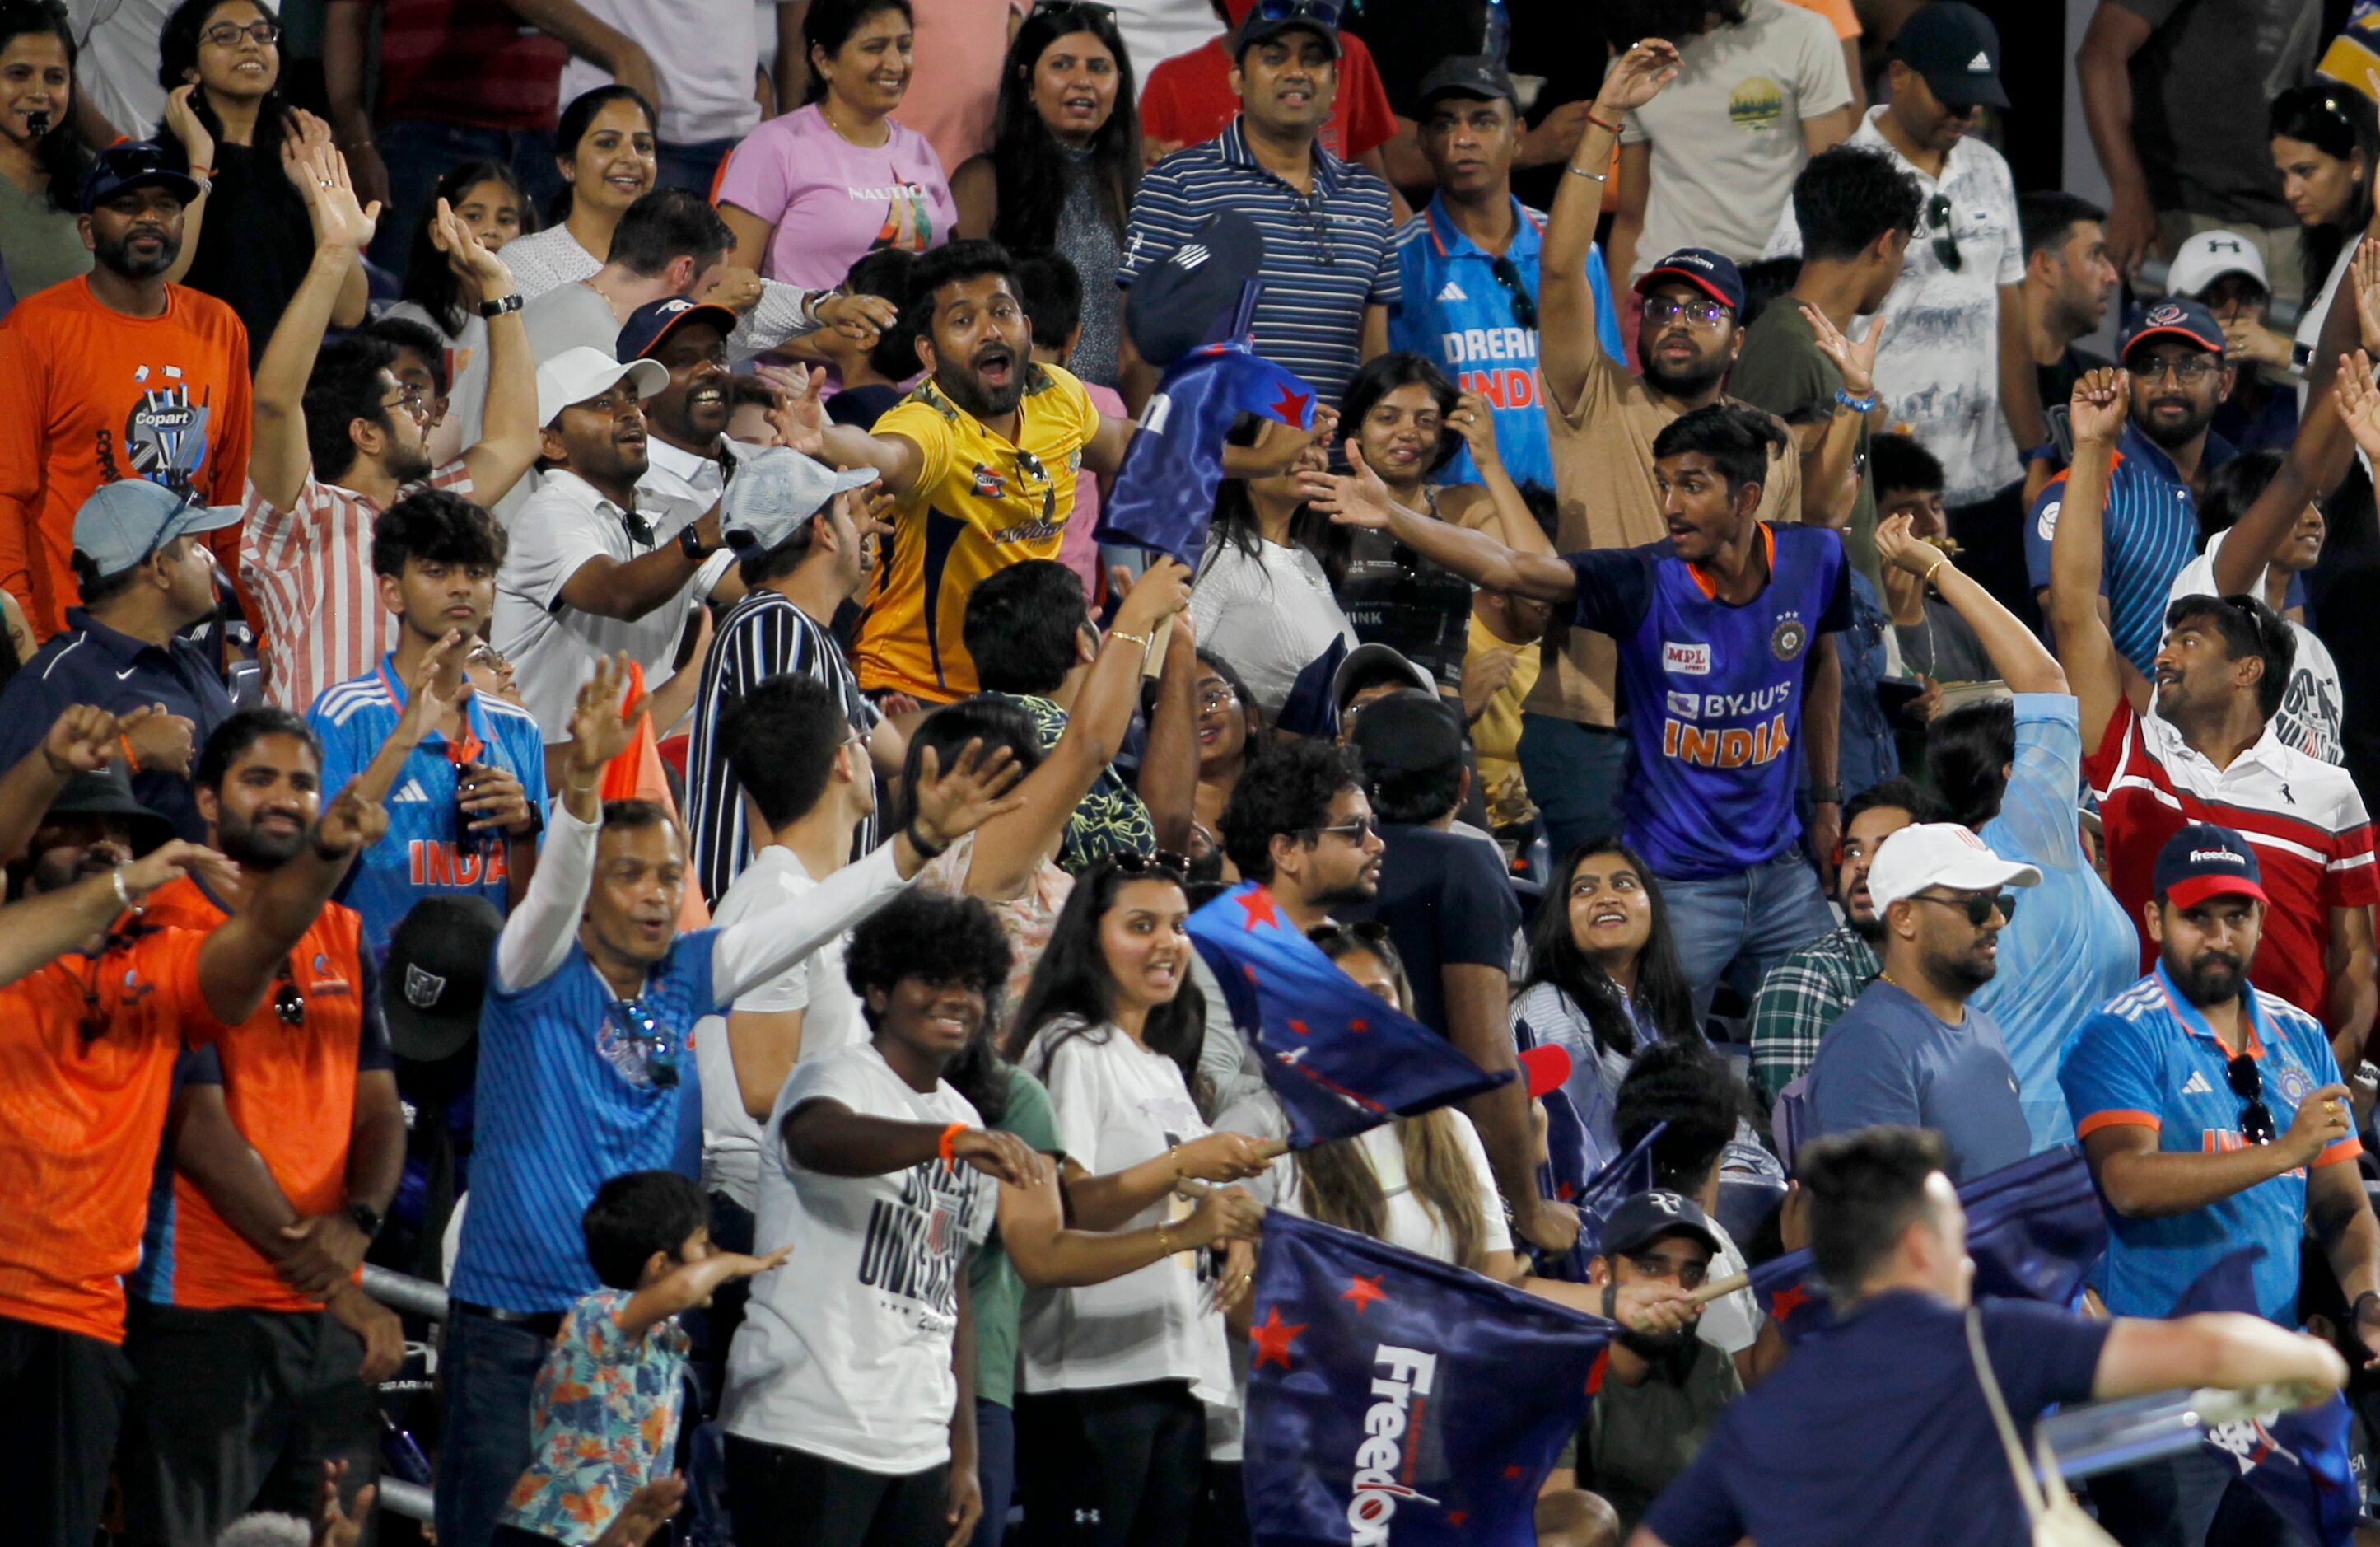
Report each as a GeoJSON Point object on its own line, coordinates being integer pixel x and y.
{"type": "Point", "coordinates": [689, 543]}
{"type": "Point", "coordinates": [367, 1219]}
{"type": "Point", "coordinates": [502, 304]}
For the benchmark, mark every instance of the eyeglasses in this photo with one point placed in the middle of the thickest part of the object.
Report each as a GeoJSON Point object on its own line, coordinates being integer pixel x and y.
{"type": "Point", "coordinates": [411, 401]}
{"type": "Point", "coordinates": [639, 1047]}
{"type": "Point", "coordinates": [224, 34]}
{"type": "Point", "coordinates": [1661, 311]}
{"type": "Point", "coordinates": [1946, 240]}
{"type": "Point", "coordinates": [1979, 910]}
{"type": "Point", "coordinates": [1214, 698]}
{"type": "Point", "coordinates": [288, 1000]}
{"type": "Point", "coordinates": [2188, 370]}
{"type": "Point", "coordinates": [1524, 306]}
{"type": "Point", "coordinates": [2257, 1124]}
{"type": "Point", "coordinates": [1655, 1264]}
{"type": "Point", "coordinates": [1162, 864]}
{"type": "Point", "coordinates": [1360, 831]}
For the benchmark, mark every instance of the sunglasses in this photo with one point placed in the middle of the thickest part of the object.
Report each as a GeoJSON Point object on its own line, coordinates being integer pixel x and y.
{"type": "Point", "coordinates": [2248, 1083]}
{"type": "Point", "coordinates": [1075, 7]}
{"type": "Point", "coordinates": [638, 1046]}
{"type": "Point", "coordinates": [1324, 12]}
{"type": "Point", "coordinates": [1162, 864]}
{"type": "Point", "coordinates": [1946, 240]}
{"type": "Point", "coordinates": [1979, 910]}
{"type": "Point", "coordinates": [1524, 306]}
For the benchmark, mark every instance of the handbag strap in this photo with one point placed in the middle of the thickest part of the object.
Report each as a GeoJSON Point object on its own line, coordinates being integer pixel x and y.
{"type": "Point", "coordinates": [2028, 1487]}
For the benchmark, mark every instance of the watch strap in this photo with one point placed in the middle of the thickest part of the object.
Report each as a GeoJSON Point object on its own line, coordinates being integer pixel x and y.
{"type": "Point", "coordinates": [502, 304]}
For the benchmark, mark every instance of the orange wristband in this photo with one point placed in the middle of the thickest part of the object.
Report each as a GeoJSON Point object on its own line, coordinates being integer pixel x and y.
{"type": "Point", "coordinates": [1607, 128]}
{"type": "Point", "coordinates": [950, 1136]}
{"type": "Point", "coordinates": [126, 742]}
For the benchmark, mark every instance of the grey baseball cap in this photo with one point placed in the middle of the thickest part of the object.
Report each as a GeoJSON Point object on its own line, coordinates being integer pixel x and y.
{"type": "Point", "coordinates": [772, 496]}
{"type": "Point", "coordinates": [124, 523]}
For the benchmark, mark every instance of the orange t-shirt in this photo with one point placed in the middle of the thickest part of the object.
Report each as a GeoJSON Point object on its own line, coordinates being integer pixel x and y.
{"type": "Point", "coordinates": [80, 1121]}
{"type": "Point", "coordinates": [291, 1092]}
{"type": "Point", "coordinates": [93, 396]}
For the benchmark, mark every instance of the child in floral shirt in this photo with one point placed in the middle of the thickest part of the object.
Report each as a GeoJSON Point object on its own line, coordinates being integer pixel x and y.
{"type": "Point", "coordinates": [606, 1411]}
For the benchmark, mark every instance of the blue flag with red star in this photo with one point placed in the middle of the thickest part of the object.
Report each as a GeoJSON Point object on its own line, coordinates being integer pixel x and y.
{"type": "Point", "coordinates": [2296, 1460]}
{"type": "Point", "coordinates": [1396, 1399]}
{"type": "Point", "coordinates": [2033, 1229]}
{"type": "Point", "coordinates": [1339, 1058]}
{"type": "Point", "coordinates": [1165, 491]}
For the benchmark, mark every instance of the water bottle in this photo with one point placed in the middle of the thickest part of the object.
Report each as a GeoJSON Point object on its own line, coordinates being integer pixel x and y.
{"type": "Point", "coordinates": [1496, 36]}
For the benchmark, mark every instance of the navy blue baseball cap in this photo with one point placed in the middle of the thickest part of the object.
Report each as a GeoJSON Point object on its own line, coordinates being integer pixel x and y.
{"type": "Point", "coordinates": [1714, 274]}
{"type": "Point", "coordinates": [1176, 305]}
{"type": "Point", "coordinates": [1269, 19]}
{"type": "Point", "coordinates": [2186, 319]}
{"type": "Point", "coordinates": [2204, 861]}
{"type": "Point", "coordinates": [655, 320]}
{"type": "Point", "coordinates": [134, 164]}
{"type": "Point", "coordinates": [1646, 1218]}
{"type": "Point", "coordinates": [1957, 49]}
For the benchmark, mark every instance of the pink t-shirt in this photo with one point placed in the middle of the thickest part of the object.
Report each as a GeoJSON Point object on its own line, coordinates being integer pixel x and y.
{"type": "Point", "coordinates": [1077, 549]}
{"type": "Point", "coordinates": [954, 75]}
{"type": "Point", "coordinates": [833, 201]}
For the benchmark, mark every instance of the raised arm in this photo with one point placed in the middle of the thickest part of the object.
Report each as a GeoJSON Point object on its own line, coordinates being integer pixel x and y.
{"type": "Point", "coordinates": [237, 963]}
{"type": "Point", "coordinates": [1168, 783]}
{"type": "Point", "coordinates": [801, 422]}
{"type": "Point", "coordinates": [1567, 347]}
{"type": "Point", "coordinates": [37, 930]}
{"type": "Point", "coordinates": [536, 938]}
{"type": "Point", "coordinates": [2020, 658]}
{"type": "Point", "coordinates": [278, 460]}
{"type": "Point", "coordinates": [2228, 1350]}
{"type": "Point", "coordinates": [2085, 649]}
{"type": "Point", "coordinates": [82, 739]}
{"type": "Point", "coordinates": [1360, 499]}
{"type": "Point", "coordinates": [507, 446]}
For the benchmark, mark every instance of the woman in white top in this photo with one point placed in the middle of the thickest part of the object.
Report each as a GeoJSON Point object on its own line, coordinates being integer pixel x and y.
{"type": "Point", "coordinates": [2327, 146]}
{"type": "Point", "coordinates": [1230, 732]}
{"type": "Point", "coordinates": [604, 146]}
{"type": "Point", "coordinates": [1111, 1420]}
{"type": "Point", "coordinates": [1265, 599]}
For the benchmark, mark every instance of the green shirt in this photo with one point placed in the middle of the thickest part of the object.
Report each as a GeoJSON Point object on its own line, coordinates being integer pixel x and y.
{"type": "Point", "coordinates": [1781, 370]}
{"type": "Point", "coordinates": [998, 1294]}
{"type": "Point", "coordinates": [37, 241]}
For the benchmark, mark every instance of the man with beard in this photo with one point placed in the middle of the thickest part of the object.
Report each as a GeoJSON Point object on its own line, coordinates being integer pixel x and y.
{"type": "Point", "coordinates": [588, 574]}
{"type": "Point", "coordinates": [689, 455]}
{"type": "Point", "coordinates": [1910, 1051]}
{"type": "Point", "coordinates": [287, 1140]}
{"type": "Point", "coordinates": [116, 375]}
{"type": "Point", "coordinates": [1601, 422]}
{"type": "Point", "coordinates": [2173, 351]}
{"type": "Point", "coordinates": [981, 460]}
{"type": "Point", "coordinates": [1804, 994]}
{"type": "Point", "coordinates": [339, 439]}
{"type": "Point", "coordinates": [2209, 753]}
{"type": "Point", "coordinates": [2214, 1118]}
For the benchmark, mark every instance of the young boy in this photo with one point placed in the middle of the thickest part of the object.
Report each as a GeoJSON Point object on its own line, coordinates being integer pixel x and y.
{"type": "Point", "coordinates": [1934, 641]}
{"type": "Point", "coordinates": [607, 1401]}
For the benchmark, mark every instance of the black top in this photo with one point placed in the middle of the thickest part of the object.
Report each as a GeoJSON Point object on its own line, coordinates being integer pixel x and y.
{"type": "Point", "coordinates": [256, 243]}
{"type": "Point", "coordinates": [1447, 903]}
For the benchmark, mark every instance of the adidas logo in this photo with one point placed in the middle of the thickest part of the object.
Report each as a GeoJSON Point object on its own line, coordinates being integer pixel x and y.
{"type": "Point", "coordinates": [410, 791]}
{"type": "Point", "coordinates": [1453, 292]}
{"type": "Point", "coordinates": [2196, 1085]}
{"type": "Point", "coordinates": [1981, 64]}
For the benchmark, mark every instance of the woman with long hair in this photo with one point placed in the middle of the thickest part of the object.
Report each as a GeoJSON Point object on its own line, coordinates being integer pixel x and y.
{"type": "Point", "coordinates": [1111, 1421]}
{"type": "Point", "coordinates": [1267, 596]}
{"type": "Point", "coordinates": [1063, 163]}
{"type": "Point", "coordinates": [1604, 977]}
{"type": "Point", "coordinates": [604, 147]}
{"type": "Point", "coordinates": [488, 198]}
{"type": "Point", "coordinates": [788, 189]}
{"type": "Point", "coordinates": [247, 240]}
{"type": "Point", "coordinates": [41, 195]}
{"type": "Point", "coordinates": [1232, 731]}
{"type": "Point", "coordinates": [2327, 146]}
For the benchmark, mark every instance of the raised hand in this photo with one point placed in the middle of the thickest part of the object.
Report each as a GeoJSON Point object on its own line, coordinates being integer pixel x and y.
{"type": "Point", "coordinates": [1856, 360]}
{"type": "Point", "coordinates": [332, 1526]}
{"type": "Point", "coordinates": [600, 725]}
{"type": "Point", "coordinates": [1898, 544]}
{"type": "Point", "coordinates": [799, 414]}
{"type": "Point", "coordinates": [1351, 499]}
{"type": "Point", "coordinates": [2359, 401]}
{"type": "Point", "coordinates": [951, 805]}
{"type": "Point", "coordinates": [349, 823]}
{"type": "Point", "coordinates": [320, 173]}
{"type": "Point", "coordinates": [1160, 592]}
{"type": "Point", "coordinates": [1637, 76]}
{"type": "Point", "coordinates": [2364, 275]}
{"type": "Point", "coordinates": [1475, 422]}
{"type": "Point", "coordinates": [2102, 400]}
{"type": "Point", "coordinates": [480, 272]}
{"type": "Point", "coordinates": [859, 318]}
{"type": "Point", "coordinates": [161, 742]}
{"type": "Point", "coordinates": [183, 121]}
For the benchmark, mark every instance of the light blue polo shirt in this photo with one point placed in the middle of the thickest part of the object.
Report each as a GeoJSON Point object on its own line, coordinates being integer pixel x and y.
{"type": "Point", "coordinates": [2149, 1058]}
{"type": "Point", "coordinates": [1455, 312]}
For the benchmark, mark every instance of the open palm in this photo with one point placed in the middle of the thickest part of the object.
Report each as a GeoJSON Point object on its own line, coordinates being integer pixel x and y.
{"type": "Point", "coordinates": [1854, 357]}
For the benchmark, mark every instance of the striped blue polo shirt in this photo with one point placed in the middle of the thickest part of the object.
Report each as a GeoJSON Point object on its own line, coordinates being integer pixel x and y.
{"type": "Point", "coordinates": [2152, 526]}
{"type": "Point", "coordinates": [1328, 254]}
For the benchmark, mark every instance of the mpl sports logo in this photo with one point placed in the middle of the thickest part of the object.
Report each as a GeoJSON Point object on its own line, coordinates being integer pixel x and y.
{"type": "Point", "coordinates": [1686, 660]}
{"type": "Point", "coordinates": [1383, 1473]}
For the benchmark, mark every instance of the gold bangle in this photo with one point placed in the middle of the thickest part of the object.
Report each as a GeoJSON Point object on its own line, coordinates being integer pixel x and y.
{"type": "Point", "coordinates": [1928, 577]}
{"type": "Point", "coordinates": [1164, 1246]}
{"type": "Point", "coordinates": [1174, 1154]}
{"type": "Point", "coordinates": [1140, 640]}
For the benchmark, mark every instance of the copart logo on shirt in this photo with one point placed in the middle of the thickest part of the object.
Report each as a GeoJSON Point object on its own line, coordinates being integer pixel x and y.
{"type": "Point", "coordinates": [1383, 1479]}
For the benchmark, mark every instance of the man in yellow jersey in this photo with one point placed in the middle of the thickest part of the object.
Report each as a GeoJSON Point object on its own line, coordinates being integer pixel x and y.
{"type": "Point", "coordinates": [982, 461]}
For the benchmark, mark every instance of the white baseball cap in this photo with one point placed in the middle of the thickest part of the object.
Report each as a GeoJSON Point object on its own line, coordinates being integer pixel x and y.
{"type": "Point", "coordinates": [2207, 257]}
{"type": "Point", "coordinates": [1940, 854]}
{"type": "Point", "coordinates": [773, 494]}
{"type": "Point", "coordinates": [576, 376]}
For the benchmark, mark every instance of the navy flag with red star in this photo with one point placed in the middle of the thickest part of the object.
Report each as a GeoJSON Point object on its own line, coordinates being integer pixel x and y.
{"type": "Point", "coordinates": [1339, 1058]}
{"type": "Point", "coordinates": [1396, 1399]}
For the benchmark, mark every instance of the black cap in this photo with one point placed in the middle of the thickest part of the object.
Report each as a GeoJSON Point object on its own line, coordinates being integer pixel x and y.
{"type": "Point", "coordinates": [1957, 49]}
{"type": "Point", "coordinates": [108, 793]}
{"type": "Point", "coordinates": [134, 164]}
{"type": "Point", "coordinates": [1272, 18]}
{"type": "Point", "coordinates": [436, 974]}
{"type": "Point", "coordinates": [1648, 1216]}
{"type": "Point", "coordinates": [1474, 76]}
{"type": "Point", "coordinates": [654, 320]}
{"type": "Point", "coordinates": [1176, 305]}
{"type": "Point", "coordinates": [1407, 732]}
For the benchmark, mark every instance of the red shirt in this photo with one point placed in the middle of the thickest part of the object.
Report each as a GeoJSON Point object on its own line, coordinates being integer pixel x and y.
{"type": "Point", "coordinates": [1188, 99]}
{"type": "Point", "coordinates": [2302, 816]}
{"type": "Point", "coordinates": [467, 63]}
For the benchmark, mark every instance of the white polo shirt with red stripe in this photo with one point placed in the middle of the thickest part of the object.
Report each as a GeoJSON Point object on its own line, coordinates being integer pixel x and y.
{"type": "Point", "coordinates": [2304, 817]}
{"type": "Point", "coordinates": [310, 569]}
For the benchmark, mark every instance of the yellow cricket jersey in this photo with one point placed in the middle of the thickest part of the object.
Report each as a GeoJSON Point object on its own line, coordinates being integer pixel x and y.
{"type": "Point", "coordinates": [980, 504]}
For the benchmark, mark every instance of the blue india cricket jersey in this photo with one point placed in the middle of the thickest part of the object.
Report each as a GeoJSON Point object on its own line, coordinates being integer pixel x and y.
{"type": "Point", "coordinates": [1713, 694]}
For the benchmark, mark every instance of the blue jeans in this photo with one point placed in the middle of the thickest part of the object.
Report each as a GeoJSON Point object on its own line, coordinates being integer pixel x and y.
{"type": "Point", "coordinates": [690, 166]}
{"type": "Point", "coordinates": [417, 152]}
{"type": "Point", "coordinates": [995, 1469]}
{"type": "Point", "coordinates": [1748, 922]}
{"type": "Point", "coordinates": [490, 1370]}
{"type": "Point", "coordinates": [1576, 775]}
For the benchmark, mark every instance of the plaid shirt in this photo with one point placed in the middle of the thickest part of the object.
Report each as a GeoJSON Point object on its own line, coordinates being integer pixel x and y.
{"type": "Point", "coordinates": [1803, 996]}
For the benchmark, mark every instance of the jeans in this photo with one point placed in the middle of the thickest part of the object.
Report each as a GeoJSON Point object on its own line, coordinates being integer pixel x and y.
{"type": "Point", "coordinates": [2192, 1499]}
{"type": "Point", "coordinates": [691, 167]}
{"type": "Point", "coordinates": [490, 1371]}
{"type": "Point", "coordinates": [417, 152]}
{"type": "Point", "coordinates": [1576, 775]}
{"type": "Point", "coordinates": [995, 1468]}
{"type": "Point", "coordinates": [1748, 922]}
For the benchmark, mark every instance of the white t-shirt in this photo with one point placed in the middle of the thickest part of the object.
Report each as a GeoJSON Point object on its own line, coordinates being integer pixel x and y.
{"type": "Point", "coordinates": [2310, 321]}
{"type": "Point", "coordinates": [1119, 1104]}
{"type": "Point", "coordinates": [1269, 615]}
{"type": "Point", "coordinates": [845, 1351]}
{"type": "Point", "coordinates": [1727, 133]}
{"type": "Point", "coordinates": [704, 54]}
{"type": "Point", "coordinates": [2308, 717]}
{"type": "Point", "coordinates": [1731, 1322]}
{"type": "Point", "coordinates": [552, 646]}
{"type": "Point", "coordinates": [117, 41]}
{"type": "Point", "coordinates": [733, 1145]}
{"type": "Point", "coordinates": [1939, 365]}
{"type": "Point", "coordinates": [1412, 1224]}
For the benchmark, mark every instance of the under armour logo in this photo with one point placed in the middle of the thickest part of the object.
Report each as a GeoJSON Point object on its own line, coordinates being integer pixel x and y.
{"type": "Point", "coordinates": [2227, 244]}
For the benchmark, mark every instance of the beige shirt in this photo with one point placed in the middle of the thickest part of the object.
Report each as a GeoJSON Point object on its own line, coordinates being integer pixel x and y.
{"type": "Point", "coordinates": [1603, 477]}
